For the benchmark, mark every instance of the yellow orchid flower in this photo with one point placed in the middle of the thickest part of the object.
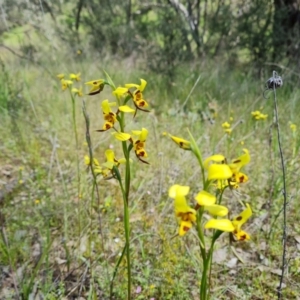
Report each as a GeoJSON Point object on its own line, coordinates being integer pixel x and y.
{"type": "Point", "coordinates": [238, 221]}
{"type": "Point", "coordinates": [75, 77]}
{"type": "Point", "coordinates": [65, 84]}
{"type": "Point", "coordinates": [139, 144]}
{"type": "Point", "coordinates": [184, 144]}
{"type": "Point", "coordinates": [111, 161]}
{"type": "Point", "coordinates": [235, 166]}
{"type": "Point", "coordinates": [95, 165]}
{"type": "Point", "coordinates": [77, 91]}
{"type": "Point", "coordinates": [185, 214]}
{"type": "Point", "coordinates": [109, 116]}
{"type": "Point", "coordinates": [138, 100]}
{"type": "Point", "coordinates": [97, 86]}
{"type": "Point", "coordinates": [233, 226]}
{"type": "Point", "coordinates": [217, 170]}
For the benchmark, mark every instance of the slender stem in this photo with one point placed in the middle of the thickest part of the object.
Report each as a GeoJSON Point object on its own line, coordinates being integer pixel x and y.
{"type": "Point", "coordinates": [204, 288]}
{"type": "Point", "coordinates": [201, 233]}
{"type": "Point", "coordinates": [77, 158]}
{"type": "Point", "coordinates": [127, 231]}
{"type": "Point", "coordinates": [127, 235]}
{"type": "Point", "coordinates": [95, 185]}
{"type": "Point", "coordinates": [284, 233]}
{"type": "Point", "coordinates": [125, 193]}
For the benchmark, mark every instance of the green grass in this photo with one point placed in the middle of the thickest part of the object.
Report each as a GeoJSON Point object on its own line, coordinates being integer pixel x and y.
{"type": "Point", "coordinates": [48, 227]}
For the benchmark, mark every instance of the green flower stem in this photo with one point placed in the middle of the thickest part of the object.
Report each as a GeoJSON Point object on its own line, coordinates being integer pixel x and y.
{"type": "Point", "coordinates": [127, 230]}
{"type": "Point", "coordinates": [125, 193]}
{"type": "Point", "coordinates": [197, 153]}
{"type": "Point", "coordinates": [77, 158]}
{"type": "Point", "coordinates": [201, 233]}
{"type": "Point", "coordinates": [204, 288]}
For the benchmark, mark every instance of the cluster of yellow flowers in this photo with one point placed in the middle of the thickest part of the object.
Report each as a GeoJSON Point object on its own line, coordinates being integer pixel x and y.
{"type": "Point", "coordinates": [257, 115]}
{"type": "Point", "coordinates": [227, 127]}
{"type": "Point", "coordinates": [220, 175]}
{"type": "Point", "coordinates": [112, 117]}
{"type": "Point", "coordinates": [66, 83]}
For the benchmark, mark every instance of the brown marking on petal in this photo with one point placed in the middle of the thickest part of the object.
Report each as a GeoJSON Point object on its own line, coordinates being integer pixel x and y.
{"type": "Point", "coordinates": [138, 95]}
{"type": "Point", "coordinates": [181, 144]}
{"type": "Point", "coordinates": [241, 179]}
{"type": "Point", "coordinates": [239, 218]}
{"type": "Point", "coordinates": [141, 103]}
{"type": "Point", "coordinates": [235, 231]}
{"type": "Point", "coordinates": [142, 153]}
{"type": "Point", "coordinates": [107, 126]}
{"type": "Point", "coordinates": [237, 161]}
{"type": "Point", "coordinates": [243, 237]}
{"type": "Point", "coordinates": [143, 161]}
{"type": "Point", "coordinates": [94, 93]}
{"type": "Point", "coordinates": [185, 228]}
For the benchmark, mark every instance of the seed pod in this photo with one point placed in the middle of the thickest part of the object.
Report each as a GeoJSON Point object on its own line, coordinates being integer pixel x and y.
{"type": "Point", "coordinates": [275, 81]}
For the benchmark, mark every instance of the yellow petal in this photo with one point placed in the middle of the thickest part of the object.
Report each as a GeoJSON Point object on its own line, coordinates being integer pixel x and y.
{"type": "Point", "coordinates": [121, 136]}
{"type": "Point", "coordinates": [122, 160]}
{"type": "Point", "coordinates": [215, 158]}
{"type": "Point", "coordinates": [178, 190]}
{"type": "Point", "coordinates": [185, 226]}
{"type": "Point", "coordinates": [120, 91]}
{"type": "Point", "coordinates": [136, 132]}
{"type": "Point", "coordinates": [98, 170]}
{"type": "Point", "coordinates": [241, 160]}
{"type": "Point", "coordinates": [204, 198]}
{"type": "Point", "coordinates": [143, 85]}
{"type": "Point", "coordinates": [181, 207]}
{"type": "Point", "coordinates": [143, 135]}
{"type": "Point", "coordinates": [130, 85]}
{"type": "Point", "coordinates": [219, 171]}
{"type": "Point", "coordinates": [95, 83]}
{"type": "Point", "coordinates": [226, 125]}
{"type": "Point", "coordinates": [217, 210]}
{"type": "Point", "coordinates": [221, 224]}
{"type": "Point", "coordinates": [126, 108]}
{"type": "Point", "coordinates": [87, 160]}
{"type": "Point", "coordinates": [184, 144]}
{"type": "Point", "coordinates": [109, 165]}
{"type": "Point", "coordinates": [242, 217]}
{"type": "Point", "coordinates": [96, 162]}
{"type": "Point", "coordinates": [60, 76]}
{"type": "Point", "coordinates": [242, 235]}
{"type": "Point", "coordinates": [105, 106]}
{"type": "Point", "coordinates": [110, 155]}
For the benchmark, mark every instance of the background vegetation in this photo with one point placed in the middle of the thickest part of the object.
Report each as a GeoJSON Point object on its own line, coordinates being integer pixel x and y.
{"type": "Point", "coordinates": [205, 62]}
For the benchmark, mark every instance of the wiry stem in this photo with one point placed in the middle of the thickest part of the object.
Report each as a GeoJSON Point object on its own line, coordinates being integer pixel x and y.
{"type": "Point", "coordinates": [95, 185]}
{"type": "Point", "coordinates": [284, 234]}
